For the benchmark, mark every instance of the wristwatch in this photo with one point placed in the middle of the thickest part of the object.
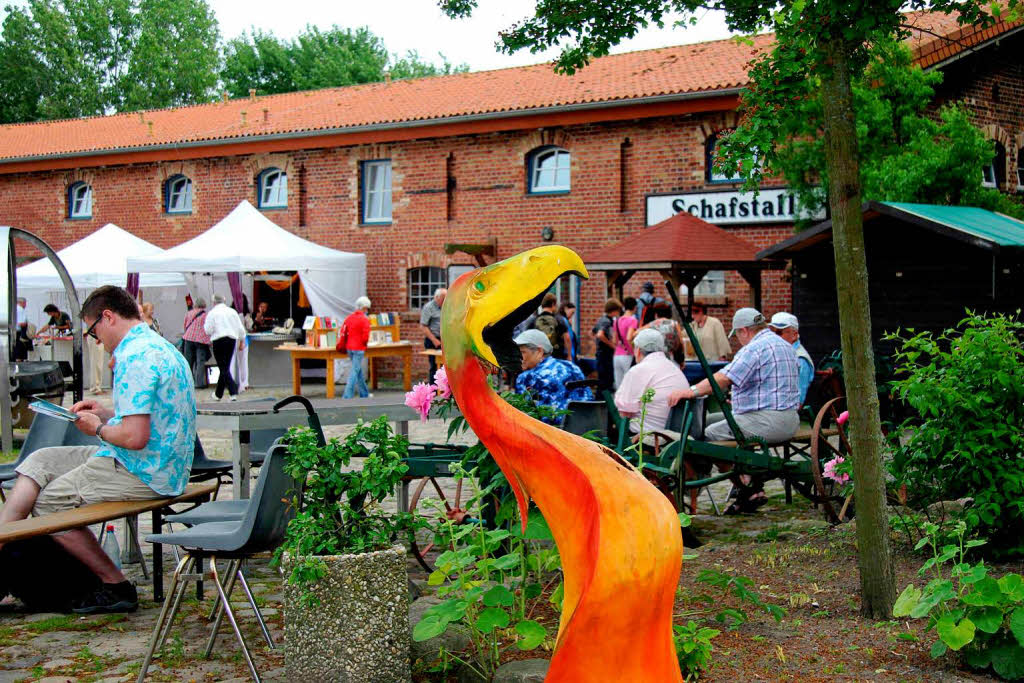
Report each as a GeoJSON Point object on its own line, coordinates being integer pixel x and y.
{"type": "Point", "coordinates": [696, 394]}
{"type": "Point", "coordinates": [98, 430]}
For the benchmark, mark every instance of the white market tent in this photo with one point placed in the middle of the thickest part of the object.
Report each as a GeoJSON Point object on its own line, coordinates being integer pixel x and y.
{"type": "Point", "coordinates": [96, 260]}
{"type": "Point", "coordinates": [246, 241]}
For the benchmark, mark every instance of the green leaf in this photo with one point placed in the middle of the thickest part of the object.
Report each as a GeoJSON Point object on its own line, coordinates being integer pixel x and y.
{"type": "Point", "coordinates": [498, 595]}
{"type": "Point", "coordinates": [537, 528]}
{"type": "Point", "coordinates": [1017, 625]}
{"type": "Point", "coordinates": [955, 634]}
{"type": "Point", "coordinates": [557, 595]}
{"type": "Point", "coordinates": [491, 618]}
{"type": "Point", "coordinates": [531, 634]}
{"type": "Point", "coordinates": [684, 519]}
{"type": "Point", "coordinates": [907, 601]}
{"type": "Point", "coordinates": [506, 562]}
{"type": "Point", "coordinates": [1012, 585]}
{"type": "Point", "coordinates": [428, 627]}
{"type": "Point", "coordinates": [436, 578]}
{"type": "Point", "coordinates": [984, 593]}
{"type": "Point", "coordinates": [987, 619]}
{"type": "Point", "coordinates": [938, 649]}
{"type": "Point", "coordinates": [1008, 661]}
{"type": "Point", "coordinates": [532, 590]}
{"type": "Point", "coordinates": [979, 658]}
{"type": "Point", "coordinates": [449, 610]}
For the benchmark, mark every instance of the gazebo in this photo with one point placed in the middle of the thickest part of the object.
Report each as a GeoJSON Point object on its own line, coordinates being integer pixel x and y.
{"type": "Point", "coordinates": [682, 249]}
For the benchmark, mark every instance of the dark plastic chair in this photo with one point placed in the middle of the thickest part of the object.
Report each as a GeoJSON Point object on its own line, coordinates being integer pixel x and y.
{"type": "Point", "coordinates": [586, 416]}
{"type": "Point", "coordinates": [260, 442]}
{"type": "Point", "coordinates": [45, 432]}
{"type": "Point", "coordinates": [205, 468]}
{"type": "Point", "coordinates": [261, 529]}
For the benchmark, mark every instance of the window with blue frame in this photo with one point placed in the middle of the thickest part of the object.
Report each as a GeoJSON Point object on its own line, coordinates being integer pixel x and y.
{"type": "Point", "coordinates": [178, 194]}
{"type": "Point", "coordinates": [548, 170]}
{"type": "Point", "coordinates": [376, 183]}
{"type": "Point", "coordinates": [80, 200]}
{"type": "Point", "coordinates": [713, 174]}
{"type": "Point", "coordinates": [273, 189]}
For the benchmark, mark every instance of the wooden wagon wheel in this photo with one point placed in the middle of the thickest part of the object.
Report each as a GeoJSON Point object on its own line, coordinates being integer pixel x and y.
{"type": "Point", "coordinates": [822, 451]}
{"type": "Point", "coordinates": [452, 511]}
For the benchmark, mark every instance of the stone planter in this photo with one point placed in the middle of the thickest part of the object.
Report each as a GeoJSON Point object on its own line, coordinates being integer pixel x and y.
{"type": "Point", "coordinates": [359, 631]}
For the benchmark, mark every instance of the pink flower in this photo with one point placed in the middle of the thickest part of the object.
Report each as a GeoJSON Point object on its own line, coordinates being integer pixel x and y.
{"type": "Point", "coordinates": [441, 382]}
{"type": "Point", "coordinates": [419, 399]}
{"type": "Point", "coordinates": [843, 417]}
{"type": "Point", "coordinates": [830, 471]}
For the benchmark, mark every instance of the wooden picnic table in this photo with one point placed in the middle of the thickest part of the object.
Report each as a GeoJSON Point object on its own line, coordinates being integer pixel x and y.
{"type": "Point", "coordinates": [399, 349]}
{"type": "Point", "coordinates": [98, 513]}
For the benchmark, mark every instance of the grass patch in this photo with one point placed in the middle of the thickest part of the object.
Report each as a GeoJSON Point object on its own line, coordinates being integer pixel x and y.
{"type": "Point", "coordinates": [71, 622]}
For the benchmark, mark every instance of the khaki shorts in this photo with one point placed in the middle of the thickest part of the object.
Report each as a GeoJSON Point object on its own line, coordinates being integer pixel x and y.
{"type": "Point", "coordinates": [70, 476]}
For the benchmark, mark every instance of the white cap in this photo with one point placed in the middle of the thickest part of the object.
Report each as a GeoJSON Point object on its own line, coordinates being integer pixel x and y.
{"type": "Point", "coordinates": [745, 317]}
{"type": "Point", "coordinates": [534, 338]}
{"type": "Point", "coordinates": [782, 321]}
{"type": "Point", "coordinates": [362, 302]}
{"type": "Point", "coordinates": [649, 341]}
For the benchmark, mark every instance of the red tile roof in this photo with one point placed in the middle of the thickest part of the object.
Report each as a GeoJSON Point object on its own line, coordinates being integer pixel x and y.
{"type": "Point", "coordinates": [681, 238]}
{"type": "Point", "coordinates": [664, 73]}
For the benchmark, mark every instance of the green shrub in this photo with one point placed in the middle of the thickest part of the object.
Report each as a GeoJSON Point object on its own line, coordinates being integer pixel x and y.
{"type": "Point", "coordinates": [967, 439]}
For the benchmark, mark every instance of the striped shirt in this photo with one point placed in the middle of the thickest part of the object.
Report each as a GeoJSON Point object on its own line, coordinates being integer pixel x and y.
{"type": "Point", "coordinates": [764, 375]}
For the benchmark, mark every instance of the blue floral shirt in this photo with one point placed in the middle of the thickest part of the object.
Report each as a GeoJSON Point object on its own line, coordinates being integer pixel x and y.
{"type": "Point", "coordinates": [546, 383]}
{"type": "Point", "coordinates": [152, 378]}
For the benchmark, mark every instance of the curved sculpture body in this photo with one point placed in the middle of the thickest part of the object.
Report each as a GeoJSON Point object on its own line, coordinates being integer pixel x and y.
{"type": "Point", "coordinates": [618, 536]}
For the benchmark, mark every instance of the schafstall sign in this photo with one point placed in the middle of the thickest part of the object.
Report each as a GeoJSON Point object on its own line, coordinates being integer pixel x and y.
{"type": "Point", "coordinates": [728, 207]}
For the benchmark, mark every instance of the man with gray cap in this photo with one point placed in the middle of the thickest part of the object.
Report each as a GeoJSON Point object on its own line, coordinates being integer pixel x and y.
{"type": "Point", "coordinates": [764, 381]}
{"type": "Point", "coordinates": [545, 377]}
{"type": "Point", "coordinates": [653, 370]}
{"type": "Point", "coordinates": [787, 326]}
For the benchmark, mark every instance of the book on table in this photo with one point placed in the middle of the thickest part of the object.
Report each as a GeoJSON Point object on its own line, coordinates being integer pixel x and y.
{"type": "Point", "coordinates": [53, 410]}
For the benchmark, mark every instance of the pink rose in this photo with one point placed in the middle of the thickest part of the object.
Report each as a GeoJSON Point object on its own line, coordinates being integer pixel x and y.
{"type": "Point", "coordinates": [441, 383]}
{"type": "Point", "coordinates": [419, 399]}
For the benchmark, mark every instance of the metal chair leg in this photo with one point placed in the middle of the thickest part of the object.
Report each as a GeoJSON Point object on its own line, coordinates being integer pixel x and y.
{"type": "Point", "coordinates": [164, 612]}
{"type": "Point", "coordinates": [234, 622]}
{"type": "Point", "coordinates": [225, 588]}
{"type": "Point", "coordinates": [714, 505]}
{"type": "Point", "coordinates": [255, 609]}
{"type": "Point", "coordinates": [134, 553]}
{"type": "Point", "coordinates": [216, 603]}
{"type": "Point", "coordinates": [177, 595]}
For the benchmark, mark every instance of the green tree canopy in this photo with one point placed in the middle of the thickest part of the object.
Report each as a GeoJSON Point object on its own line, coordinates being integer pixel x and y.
{"type": "Point", "coordinates": [69, 58]}
{"type": "Point", "coordinates": [316, 59]}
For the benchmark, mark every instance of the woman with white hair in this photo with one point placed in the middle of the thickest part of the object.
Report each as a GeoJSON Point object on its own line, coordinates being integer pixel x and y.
{"type": "Point", "coordinates": [653, 370]}
{"type": "Point", "coordinates": [355, 334]}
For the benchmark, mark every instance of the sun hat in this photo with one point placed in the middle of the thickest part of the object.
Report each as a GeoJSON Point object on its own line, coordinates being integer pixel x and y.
{"type": "Point", "coordinates": [649, 341]}
{"type": "Point", "coordinates": [782, 321]}
{"type": "Point", "coordinates": [745, 317]}
{"type": "Point", "coordinates": [534, 338]}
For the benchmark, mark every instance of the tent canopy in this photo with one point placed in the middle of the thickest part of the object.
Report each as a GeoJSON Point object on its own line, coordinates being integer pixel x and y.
{"type": "Point", "coordinates": [96, 260]}
{"type": "Point", "coordinates": [246, 241]}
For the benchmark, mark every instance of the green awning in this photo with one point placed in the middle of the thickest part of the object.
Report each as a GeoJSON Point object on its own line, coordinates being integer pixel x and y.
{"type": "Point", "coordinates": [987, 225]}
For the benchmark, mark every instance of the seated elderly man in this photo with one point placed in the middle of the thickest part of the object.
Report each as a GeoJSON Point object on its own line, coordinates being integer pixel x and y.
{"type": "Point", "coordinates": [653, 370]}
{"type": "Point", "coordinates": [545, 377]}
{"type": "Point", "coordinates": [146, 442]}
{"type": "Point", "coordinates": [787, 326]}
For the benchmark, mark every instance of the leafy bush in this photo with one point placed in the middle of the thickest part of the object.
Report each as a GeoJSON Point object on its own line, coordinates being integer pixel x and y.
{"type": "Point", "coordinates": [693, 647]}
{"type": "Point", "coordinates": [340, 512]}
{"type": "Point", "coordinates": [971, 612]}
{"type": "Point", "coordinates": [967, 387]}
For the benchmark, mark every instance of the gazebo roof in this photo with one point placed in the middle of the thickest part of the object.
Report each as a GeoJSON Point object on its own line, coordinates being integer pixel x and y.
{"type": "Point", "coordinates": [682, 241]}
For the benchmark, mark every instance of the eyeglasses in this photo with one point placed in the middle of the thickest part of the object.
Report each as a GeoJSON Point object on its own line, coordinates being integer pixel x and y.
{"type": "Point", "coordinates": [89, 332]}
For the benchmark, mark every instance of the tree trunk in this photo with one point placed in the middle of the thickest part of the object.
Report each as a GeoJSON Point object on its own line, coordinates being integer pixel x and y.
{"type": "Point", "coordinates": [877, 579]}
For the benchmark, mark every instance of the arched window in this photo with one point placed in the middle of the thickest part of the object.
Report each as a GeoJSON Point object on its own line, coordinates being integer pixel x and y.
{"type": "Point", "coordinates": [714, 175]}
{"type": "Point", "coordinates": [178, 194]}
{"type": "Point", "coordinates": [548, 170]}
{"type": "Point", "coordinates": [1020, 168]}
{"type": "Point", "coordinates": [80, 200]}
{"type": "Point", "coordinates": [273, 189]}
{"type": "Point", "coordinates": [994, 174]}
{"type": "Point", "coordinates": [423, 282]}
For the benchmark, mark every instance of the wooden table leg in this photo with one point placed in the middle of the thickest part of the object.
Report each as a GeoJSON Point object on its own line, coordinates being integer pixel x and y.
{"type": "Point", "coordinates": [373, 374]}
{"type": "Point", "coordinates": [296, 377]}
{"type": "Point", "coordinates": [407, 371]}
{"type": "Point", "coordinates": [330, 377]}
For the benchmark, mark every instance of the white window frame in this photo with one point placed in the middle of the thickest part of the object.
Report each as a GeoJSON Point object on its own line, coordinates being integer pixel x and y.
{"type": "Point", "coordinates": [988, 175]}
{"type": "Point", "coordinates": [1020, 169]}
{"type": "Point", "coordinates": [273, 195]}
{"type": "Point", "coordinates": [376, 191]}
{"type": "Point", "coordinates": [80, 200]}
{"type": "Point", "coordinates": [562, 162]}
{"type": "Point", "coordinates": [709, 158]}
{"type": "Point", "coordinates": [421, 291]}
{"type": "Point", "coordinates": [179, 194]}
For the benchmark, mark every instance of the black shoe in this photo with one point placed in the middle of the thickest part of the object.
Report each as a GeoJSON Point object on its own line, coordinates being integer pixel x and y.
{"type": "Point", "coordinates": [110, 597]}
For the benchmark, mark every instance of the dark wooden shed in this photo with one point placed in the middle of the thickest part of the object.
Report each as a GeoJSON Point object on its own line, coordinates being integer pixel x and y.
{"type": "Point", "coordinates": [927, 264]}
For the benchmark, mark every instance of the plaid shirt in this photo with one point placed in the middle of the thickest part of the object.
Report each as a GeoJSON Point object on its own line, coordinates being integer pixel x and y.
{"type": "Point", "coordinates": [546, 383]}
{"type": "Point", "coordinates": [764, 375]}
{"type": "Point", "coordinates": [197, 332]}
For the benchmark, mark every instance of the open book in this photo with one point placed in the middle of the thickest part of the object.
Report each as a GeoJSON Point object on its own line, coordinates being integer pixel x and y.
{"type": "Point", "coordinates": [53, 410]}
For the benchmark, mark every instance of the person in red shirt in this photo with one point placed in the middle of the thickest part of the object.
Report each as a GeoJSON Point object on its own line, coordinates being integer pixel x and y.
{"type": "Point", "coordinates": [357, 335]}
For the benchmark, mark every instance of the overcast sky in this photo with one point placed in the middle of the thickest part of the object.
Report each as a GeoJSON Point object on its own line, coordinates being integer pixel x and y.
{"type": "Point", "coordinates": [419, 25]}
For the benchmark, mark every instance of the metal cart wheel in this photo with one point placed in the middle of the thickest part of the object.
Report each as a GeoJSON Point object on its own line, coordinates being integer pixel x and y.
{"type": "Point", "coordinates": [422, 543]}
{"type": "Point", "coordinates": [826, 492]}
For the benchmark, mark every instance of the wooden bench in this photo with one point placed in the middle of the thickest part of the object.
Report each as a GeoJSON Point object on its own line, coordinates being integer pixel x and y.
{"type": "Point", "coordinates": [98, 513]}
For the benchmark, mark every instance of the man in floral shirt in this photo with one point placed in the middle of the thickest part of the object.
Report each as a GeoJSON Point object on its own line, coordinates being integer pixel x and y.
{"type": "Point", "coordinates": [545, 377]}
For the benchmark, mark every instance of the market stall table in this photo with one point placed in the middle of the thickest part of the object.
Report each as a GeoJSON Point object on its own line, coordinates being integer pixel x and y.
{"type": "Point", "coordinates": [267, 368]}
{"type": "Point", "coordinates": [400, 349]}
{"type": "Point", "coordinates": [242, 417]}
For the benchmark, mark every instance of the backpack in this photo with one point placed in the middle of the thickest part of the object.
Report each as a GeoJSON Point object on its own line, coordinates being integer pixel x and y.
{"type": "Point", "coordinates": [548, 324]}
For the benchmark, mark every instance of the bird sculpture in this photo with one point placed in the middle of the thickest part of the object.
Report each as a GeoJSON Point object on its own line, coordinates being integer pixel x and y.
{"type": "Point", "coordinates": [618, 537]}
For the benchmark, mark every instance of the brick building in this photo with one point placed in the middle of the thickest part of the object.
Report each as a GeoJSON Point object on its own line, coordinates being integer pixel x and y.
{"type": "Point", "coordinates": [517, 157]}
